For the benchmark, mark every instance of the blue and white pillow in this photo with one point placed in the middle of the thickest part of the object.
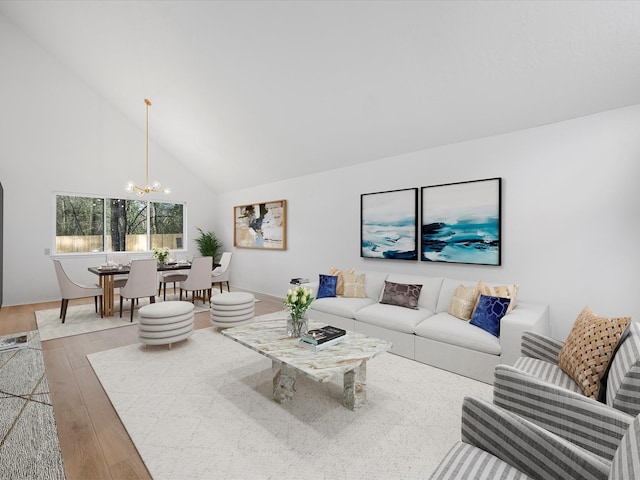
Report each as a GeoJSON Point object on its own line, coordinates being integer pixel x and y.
{"type": "Point", "coordinates": [327, 286]}
{"type": "Point", "coordinates": [489, 312]}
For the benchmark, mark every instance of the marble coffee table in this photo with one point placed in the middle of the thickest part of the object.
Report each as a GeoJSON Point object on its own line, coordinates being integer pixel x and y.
{"type": "Point", "coordinates": [288, 358]}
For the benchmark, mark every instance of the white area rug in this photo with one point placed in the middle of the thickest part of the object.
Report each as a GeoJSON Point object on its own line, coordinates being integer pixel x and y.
{"type": "Point", "coordinates": [203, 410]}
{"type": "Point", "coordinates": [84, 319]}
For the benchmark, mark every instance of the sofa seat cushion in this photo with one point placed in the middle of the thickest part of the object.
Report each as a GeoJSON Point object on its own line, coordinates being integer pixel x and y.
{"type": "Point", "coordinates": [392, 317]}
{"type": "Point", "coordinates": [446, 328]}
{"type": "Point", "coordinates": [340, 306]}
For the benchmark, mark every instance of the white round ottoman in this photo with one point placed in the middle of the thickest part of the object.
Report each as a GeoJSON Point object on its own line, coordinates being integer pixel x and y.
{"type": "Point", "coordinates": [232, 309]}
{"type": "Point", "coordinates": [164, 323]}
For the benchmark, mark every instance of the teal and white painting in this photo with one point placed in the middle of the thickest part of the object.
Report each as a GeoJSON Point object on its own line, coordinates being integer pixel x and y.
{"type": "Point", "coordinates": [461, 222]}
{"type": "Point", "coordinates": [389, 224]}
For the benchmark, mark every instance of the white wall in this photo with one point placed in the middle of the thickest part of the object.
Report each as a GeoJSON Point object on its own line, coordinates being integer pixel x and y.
{"type": "Point", "coordinates": [56, 134]}
{"type": "Point", "coordinates": [570, 216]}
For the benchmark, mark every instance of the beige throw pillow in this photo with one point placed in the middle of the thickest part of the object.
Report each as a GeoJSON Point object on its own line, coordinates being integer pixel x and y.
{"type": "Point", "coordinates": [504, 291]}
{"type": "Point", "coordinates": [353, 285]}
{"type": "Point", "coordinates": [589, 348]}
{"type": "Point", "coordinates": [463, 302]}
{"type": "Point", "coordinates": [338, 273]}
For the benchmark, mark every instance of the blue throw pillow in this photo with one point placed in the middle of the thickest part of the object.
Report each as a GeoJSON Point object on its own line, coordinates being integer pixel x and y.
{"type": "Point", "coordinates": [489, 312]}
{"type": "Point", "coordinates": [327, 286]}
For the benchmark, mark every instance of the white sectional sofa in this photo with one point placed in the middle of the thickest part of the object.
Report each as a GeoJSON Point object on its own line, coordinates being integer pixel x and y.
{"type": "Point", "coordinates": [429, 334]}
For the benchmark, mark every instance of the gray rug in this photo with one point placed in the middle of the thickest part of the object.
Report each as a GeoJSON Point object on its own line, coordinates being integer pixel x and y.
{"type": "Point", "coordinates": [203, 410]}
{"type": "Point", "coordinates": [29, 445]}
{"type": "Point", "coordinates": [84, 319]}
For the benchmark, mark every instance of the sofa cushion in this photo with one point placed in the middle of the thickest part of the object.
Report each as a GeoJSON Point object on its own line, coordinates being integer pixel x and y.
{"type": "Point", "coordinates": [354, 285]}
{"type": "Point", "coordinates": [430, 288]}
{"type": "Point", "coordinates": [392, 317]}
{"type": "Point", "coordinates": [327, 286]}
{"type": "Point", "coordinates": [446, 328]}
{"type": "Point", "coordinates": [340, 306]}
{"type": "Point", "coordinates": [340, 283]}
{"type": "Point", "coordinates": [401, 294]}
{"type": "Point", "coordinates": [373, 284]}
{"type": "Point", "coordinates": [447, 291]}
{"type": "Point", "coordinates": [589, 348]}
{"type": "Point", "coordinates": [463, 301]}
{"type": "Point", "coordinates": [489, 312]}
{"type": "Point", "coordinates": [505, 291]}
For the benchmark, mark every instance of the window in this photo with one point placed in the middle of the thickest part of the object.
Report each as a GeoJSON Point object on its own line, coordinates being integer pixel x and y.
{"type": "Point", "coordinates": [93, 224]}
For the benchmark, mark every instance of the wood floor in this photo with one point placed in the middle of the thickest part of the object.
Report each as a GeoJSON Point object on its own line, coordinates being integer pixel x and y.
{"type": "Point", "coordinates": [93, 441]}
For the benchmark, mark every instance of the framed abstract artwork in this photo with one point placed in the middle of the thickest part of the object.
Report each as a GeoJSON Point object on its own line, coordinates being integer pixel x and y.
{"type": "Point", "coordinates": [461, 222]}
{"type": "Point", "coordinates": [389, 224]}
{"type": "Point", "coordinates": [261, 225]}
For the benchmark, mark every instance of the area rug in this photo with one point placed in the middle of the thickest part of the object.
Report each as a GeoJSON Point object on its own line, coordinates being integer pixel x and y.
{"type": "Point", "coordinates": [203, 410]}
{"type": "Point", "coordinates": [29, 445]}
{"type": "Point", "coordinates": [84, 319]}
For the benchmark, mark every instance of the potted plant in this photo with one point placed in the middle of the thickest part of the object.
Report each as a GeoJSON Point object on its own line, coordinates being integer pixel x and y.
{"type": "Point", "coordinates": [209, 245]}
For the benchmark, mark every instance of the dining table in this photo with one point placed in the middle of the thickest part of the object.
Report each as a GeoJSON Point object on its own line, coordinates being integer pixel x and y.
{"type": "Point", "coordinates": [107, 273]}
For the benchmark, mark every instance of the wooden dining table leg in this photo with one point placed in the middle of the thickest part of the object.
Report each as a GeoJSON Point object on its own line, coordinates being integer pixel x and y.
{"type": "Point", "coordinates": [107, 283]}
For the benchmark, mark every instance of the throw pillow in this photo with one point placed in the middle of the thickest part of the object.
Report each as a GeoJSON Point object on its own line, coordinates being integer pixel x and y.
{"type": "Point", "coordinates": [489, 312]}
{"type": "Point", "coordinates": [463, 301]}
{"type": "Point", "coordinates": [401, 294]}
{"type": "Point", "coordinates": [589, 348]}
{"type": "Point", "coordinates": [354, 285]}
{"type": "Point", "coordinates": [327, 286]}
{"type": "Point", "coordinates": [504, 291]}
{"type": "Point", "coordinates": [338, 273]}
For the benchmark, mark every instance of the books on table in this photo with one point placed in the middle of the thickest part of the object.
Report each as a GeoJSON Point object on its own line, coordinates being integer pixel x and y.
{"type": "Point", "coordinates": [13, 343]}
{"type": "Point", "coordinates": [321, 338]}
{"type": "Point", "coordinates": [322, 346]}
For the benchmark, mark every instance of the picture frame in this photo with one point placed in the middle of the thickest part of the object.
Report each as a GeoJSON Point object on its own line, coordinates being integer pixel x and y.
{"type": "Point", "coordinates": [260, 225]}
{"type": "Point", "coordinates": [389, 224]}
{"type": "Point", "coordinates": [461, 222]}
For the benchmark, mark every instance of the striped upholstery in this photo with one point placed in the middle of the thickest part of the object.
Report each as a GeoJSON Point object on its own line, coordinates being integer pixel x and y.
{"type": "Point", "coordinates": [548, 372]}
{"type": "Point", "coordinates": [535, 345]}
{"type": "Point", "coordinates": [466, 462]}
{"type": "Point", "coordinates": [626, 462]}
{"type": "Point", "coordinates": [581, 420]}
{"type": "Point", "coordinates": [526, 446]}
{"type": "Point", "coordinates": [623, 384]}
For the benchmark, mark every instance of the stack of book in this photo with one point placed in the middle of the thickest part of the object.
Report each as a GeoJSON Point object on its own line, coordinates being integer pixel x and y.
{"type": "Point", "coordinates": [13, 343]}
{"type": "Point", "coordinates": [322, 338]}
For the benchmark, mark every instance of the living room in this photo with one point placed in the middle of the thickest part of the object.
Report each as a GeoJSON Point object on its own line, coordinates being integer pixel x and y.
{"type": "Point", "coordinates": [566, 148]}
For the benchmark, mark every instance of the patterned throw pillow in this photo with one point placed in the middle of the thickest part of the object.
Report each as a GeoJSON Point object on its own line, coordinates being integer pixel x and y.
{"type": "Point", "coordinates": [327, 286]}
{"type": "Point", "coordinates": [337, 272]}
{"type": "Point", "coordinates": [354, 285]}
{"type": "Point", "coordinates": [401, 294]}
{"type": "Point", "coordinates": [589, 348]}
{"type": "Point", "coordinates": [489, 312]}
{"type": "Point", "coordinates": [504, 291]}
{"type": "Point", "coordinates": [463, 301]}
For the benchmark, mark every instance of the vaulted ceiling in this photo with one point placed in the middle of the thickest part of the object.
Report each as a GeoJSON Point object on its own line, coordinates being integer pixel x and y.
{"type": "Point", "coordinates": [251, 92]}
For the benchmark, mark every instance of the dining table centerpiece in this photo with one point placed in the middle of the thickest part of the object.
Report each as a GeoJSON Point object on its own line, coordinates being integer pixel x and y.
{"type": "Point", "coordinates": [161, 255]}
{"type": "Point", "coordinates": [296, 302]}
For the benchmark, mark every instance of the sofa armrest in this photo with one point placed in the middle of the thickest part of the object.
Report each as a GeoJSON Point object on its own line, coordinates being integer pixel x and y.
{"type": "Point", "coordinates": [572, 416]}
{"type": "Point", "coordinates": [524, 317]}
{"type": "Point", "coordinates": [542, 347]}
{"type": "Point", "coordinates": [526, 446]}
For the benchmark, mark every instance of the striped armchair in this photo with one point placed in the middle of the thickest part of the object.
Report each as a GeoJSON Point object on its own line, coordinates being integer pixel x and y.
{"type": "Point", "coordinates": [540, 360]}
{"type": "Point", "coordinates": [499, 445]}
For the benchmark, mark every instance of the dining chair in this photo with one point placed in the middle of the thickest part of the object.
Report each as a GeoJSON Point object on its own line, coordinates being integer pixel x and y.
{"type": "Point", "coordinates": [119, 258]}
{"type": "Point", "coordinates": [174, 277]}
{"type": "Point", "coordinates": [141, 282]}
{"type": "Point", "coordinates": [70, 290]}
{"type": "Point", "coordinates": [199, 279]}
{"type": "Point", "coordinates": [221, 274]}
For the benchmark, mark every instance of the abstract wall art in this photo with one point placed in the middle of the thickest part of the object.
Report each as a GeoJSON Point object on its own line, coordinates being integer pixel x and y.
{"type": "Point", "coordinates": [461, 222]}
{"type": "Point", "coordinates": [261, 225]}
{"type": "Point", "coordinates": [389, 224]}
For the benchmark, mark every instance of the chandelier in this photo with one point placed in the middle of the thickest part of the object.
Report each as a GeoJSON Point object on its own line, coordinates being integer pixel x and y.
{"type": "Point", "coordinates": [155, 187]}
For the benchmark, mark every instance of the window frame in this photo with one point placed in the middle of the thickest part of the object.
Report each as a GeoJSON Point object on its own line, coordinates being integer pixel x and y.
{"type": "Point", "coordinates": [105, 199]}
